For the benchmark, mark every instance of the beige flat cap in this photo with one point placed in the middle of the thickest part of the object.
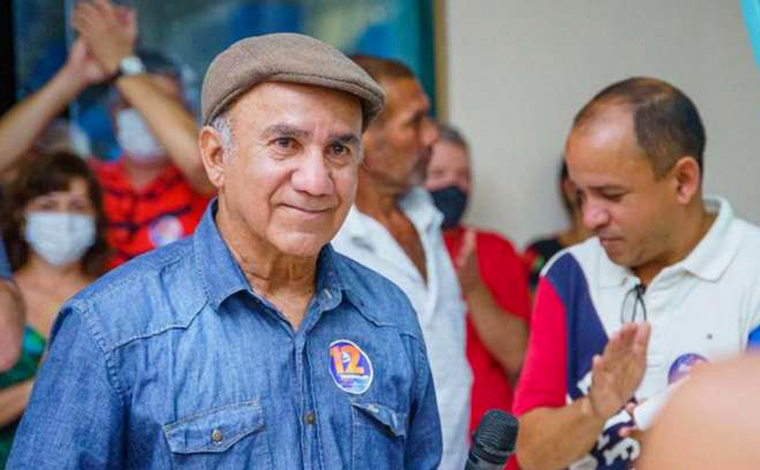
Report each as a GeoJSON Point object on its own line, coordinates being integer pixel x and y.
{"type": "Point", "coordinates": [285, 57]}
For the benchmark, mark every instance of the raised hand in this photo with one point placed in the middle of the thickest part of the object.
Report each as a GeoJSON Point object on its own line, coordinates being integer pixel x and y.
{"type": "Point", "coordinates": [109, 31]}
{"type": "Point", "coordinates": [83, 66]}
{"type": "Point", "coordinates": [466, 263]}
{"type": "Point", "coordinates": [617, 373]}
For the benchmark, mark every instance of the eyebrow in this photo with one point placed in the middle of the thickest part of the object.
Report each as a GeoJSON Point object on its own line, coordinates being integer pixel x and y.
{"type": "Point", "coordinates": [348, 139]}
{"type": "Point", "coordinates": [287, 130]}
{"type": "Point", "coordinates": [609, 187]}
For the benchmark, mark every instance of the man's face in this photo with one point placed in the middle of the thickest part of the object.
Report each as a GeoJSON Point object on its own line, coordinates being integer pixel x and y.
{"type": "Point", "coordinates": [623, 203]}
{"type": "Point", "coordinates": [398, 146]}
{"type": "Point", "coordinates": [449, 166]}
{"type": "Point", "coordinates": [291, 178]}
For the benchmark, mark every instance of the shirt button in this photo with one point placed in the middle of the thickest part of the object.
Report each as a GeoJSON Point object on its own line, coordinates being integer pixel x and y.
{"type": "Point", "coordinates": [309, 418]}
{"type": "Point", "coordinates": [216, 436]}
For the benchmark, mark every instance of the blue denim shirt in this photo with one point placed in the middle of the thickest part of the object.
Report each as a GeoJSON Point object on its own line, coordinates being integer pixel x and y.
{"type": "Point", "coordinates": [172, 361]}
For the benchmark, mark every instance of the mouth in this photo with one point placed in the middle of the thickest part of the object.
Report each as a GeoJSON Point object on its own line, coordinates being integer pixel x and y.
{"type": "Point", "coordinates": [309, 211]}
{"type": "Point", "coordinates": [609, 241]}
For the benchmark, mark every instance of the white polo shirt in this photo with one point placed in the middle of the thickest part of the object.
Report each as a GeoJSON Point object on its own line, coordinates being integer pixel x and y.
{"type": "Point", "coordinates": [705, 307]}
{"type": "Point", "coordinates": [439, 305]}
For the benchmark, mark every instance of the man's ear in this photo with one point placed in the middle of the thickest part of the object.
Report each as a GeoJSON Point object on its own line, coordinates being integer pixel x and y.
{"type": "Point", "coordinates": [688, 179]}
{"type": "Point", "coordinates": [212, 154]}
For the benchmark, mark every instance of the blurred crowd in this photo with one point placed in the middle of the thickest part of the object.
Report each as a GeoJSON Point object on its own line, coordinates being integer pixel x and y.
{"type": "Point", "coordinates": [567, 332]}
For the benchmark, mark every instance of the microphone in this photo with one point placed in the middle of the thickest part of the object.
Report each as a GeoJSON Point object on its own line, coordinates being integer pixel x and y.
{"type": "Point", "coordinates": [493, 441]}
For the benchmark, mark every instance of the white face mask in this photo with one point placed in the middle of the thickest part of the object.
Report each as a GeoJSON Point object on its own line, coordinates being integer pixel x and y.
{"type": "Point", "coordinates": [135, 138]}
{"type": "Point", "coordinates": [61, 238]}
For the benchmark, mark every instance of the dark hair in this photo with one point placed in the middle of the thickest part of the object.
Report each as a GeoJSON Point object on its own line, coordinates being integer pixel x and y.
{"type": "Point", "coordinates": [564, 175]}
{"type": "Point", "coordinates": [451, 134]}
{"type": "Point", "coordinates": [382, 70]}
{"type": "Point", "coordinates": [40, 174]}
{"type": "Point", "coordinates": [666, 122]}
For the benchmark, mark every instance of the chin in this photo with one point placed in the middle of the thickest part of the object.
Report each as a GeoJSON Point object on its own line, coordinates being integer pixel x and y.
{"type": "Point", "coordinates": [302, 245]}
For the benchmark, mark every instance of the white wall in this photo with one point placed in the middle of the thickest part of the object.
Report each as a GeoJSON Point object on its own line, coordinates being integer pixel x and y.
{"type": "Point", "coordinates": [519, 70]}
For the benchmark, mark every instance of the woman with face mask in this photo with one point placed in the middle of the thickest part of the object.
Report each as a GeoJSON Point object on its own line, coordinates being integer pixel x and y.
{"type": "Point", "coordinates": [53, 228]}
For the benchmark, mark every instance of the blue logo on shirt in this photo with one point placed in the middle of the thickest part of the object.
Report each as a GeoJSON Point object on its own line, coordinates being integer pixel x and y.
{"type": "Point", "coordinates": [350, 367]}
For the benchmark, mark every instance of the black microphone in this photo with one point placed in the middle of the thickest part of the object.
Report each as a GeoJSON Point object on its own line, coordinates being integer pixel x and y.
{"type": "Point", "coordinates": [493, 441]}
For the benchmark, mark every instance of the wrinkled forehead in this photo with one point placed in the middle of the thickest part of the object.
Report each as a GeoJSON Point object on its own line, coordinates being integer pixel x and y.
{"type": "Point", "coordinates": [296, 104]}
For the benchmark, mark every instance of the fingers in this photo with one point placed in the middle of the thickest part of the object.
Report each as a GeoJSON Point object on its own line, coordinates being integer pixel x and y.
{"type": "Point", "coordinates": [641, 339]}
{"type": "Point", "coordinates": [468, 248]}
{"type": "Point", "coordinates": [105, 7]}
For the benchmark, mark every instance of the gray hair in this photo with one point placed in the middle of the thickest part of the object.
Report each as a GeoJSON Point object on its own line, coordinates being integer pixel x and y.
{"type": "Point", "coordinates": [221, 124]}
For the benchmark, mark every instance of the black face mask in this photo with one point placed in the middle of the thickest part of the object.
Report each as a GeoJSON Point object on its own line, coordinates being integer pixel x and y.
{"type": "Point", "coordinates": [451, 201]}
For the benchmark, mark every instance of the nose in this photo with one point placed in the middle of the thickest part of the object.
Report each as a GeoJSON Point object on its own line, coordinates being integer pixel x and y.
{"type": "Point", "coordinates": [313, 176]}
{"type": "Point", "coordinates": [595, 214]}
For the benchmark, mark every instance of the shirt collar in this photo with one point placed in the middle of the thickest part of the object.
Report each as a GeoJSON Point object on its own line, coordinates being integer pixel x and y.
{"type": "Point", "coordinates": [222, 276]}
{"type": "Point", "coordinates": [416, 204]}
{"type": "Point", "coordinates": [715, 251]}
{"type": "Point", "coordinates": [708, 260]}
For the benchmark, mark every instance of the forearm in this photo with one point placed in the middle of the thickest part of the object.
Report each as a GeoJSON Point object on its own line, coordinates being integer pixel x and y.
{"type": "Point", "coordinates": [24, 123]}
{"type": "Point", "coordinates": [11, 324]}
{"type": "Point", "coordinates": [553, 438]}
{"type": "Point", "coordinates": [13, 400]}
{"type": "Point", "coordinates": [172, 125]}
{"type": "Point", "coordinates": [504, 335]}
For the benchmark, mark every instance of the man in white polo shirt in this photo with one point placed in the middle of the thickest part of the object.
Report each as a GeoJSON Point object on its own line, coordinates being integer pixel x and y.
{"type": "Point", "coordinates": [395, 229]}
{"type": "Point", "coordinates": [671, 279]}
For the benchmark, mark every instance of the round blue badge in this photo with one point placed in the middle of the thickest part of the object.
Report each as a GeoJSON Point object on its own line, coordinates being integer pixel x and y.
{"type": "Point", "coordinates": [682, 366]}
{"type": "Point", "coordinates": [350, 367]}
{"type": "Point", "coordinates": [165, 230]}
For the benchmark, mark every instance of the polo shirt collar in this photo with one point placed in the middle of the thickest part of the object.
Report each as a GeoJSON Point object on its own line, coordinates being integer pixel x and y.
{"type": "Point", "coordinates": [714, 253]}
{"type": "Point", "coordinates": [222, 276]}
{"type": "Point", "coordinates": [708, 260]}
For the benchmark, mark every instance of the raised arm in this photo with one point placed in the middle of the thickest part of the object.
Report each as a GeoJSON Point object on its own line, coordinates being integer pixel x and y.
{"type": "Point", "coordinates": [23, 124]}
{"type": "Point", "coordinates": [110, 35]}
{"type": "Point", "coordinates": [552, 438]}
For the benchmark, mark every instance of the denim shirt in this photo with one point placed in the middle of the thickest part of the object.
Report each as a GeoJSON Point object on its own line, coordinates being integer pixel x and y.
{"type": "Point", "coordinates": [172, 361]}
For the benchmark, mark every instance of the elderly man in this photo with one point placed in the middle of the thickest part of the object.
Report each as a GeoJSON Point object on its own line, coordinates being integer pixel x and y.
{"type": "Point", "coordinates": [670, 279]}
{"type": "Point", "coordinates": [251, 344]}
{"type": "Point", "coordinates": [394, 228]}
{"type": "Point", "coordinates": [11, 315]}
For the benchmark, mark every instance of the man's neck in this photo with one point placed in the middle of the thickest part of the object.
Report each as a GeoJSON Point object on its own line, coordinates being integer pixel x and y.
{"type": "Point", "coordinates": [693, 228]}
{"type": "Point", "coordinates": [287, 281]}
{"type": "Point", "coordinates": [375, 199]}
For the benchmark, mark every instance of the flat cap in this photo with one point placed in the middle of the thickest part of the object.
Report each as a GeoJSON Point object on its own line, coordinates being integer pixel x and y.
{"type": "Point", "coordinates": [290, 58]}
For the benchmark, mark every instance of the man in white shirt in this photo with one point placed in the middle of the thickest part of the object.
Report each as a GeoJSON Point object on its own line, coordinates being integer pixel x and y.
{"type": "Point", "coordinates": [671, 279]}
{"type": "Point", "coordinates": [394, 228]}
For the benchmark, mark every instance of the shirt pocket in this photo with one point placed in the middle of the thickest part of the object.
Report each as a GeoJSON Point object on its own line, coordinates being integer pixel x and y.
{"type": "Point", "coordinates": [226, 437]}
{"type": "Point", "coordinates": [378, 436]}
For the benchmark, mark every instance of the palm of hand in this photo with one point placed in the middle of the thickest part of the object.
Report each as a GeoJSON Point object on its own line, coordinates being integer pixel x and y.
{"type": "Point", "coordinates": [82, 63]}
{"type": "Point", "coordinates": [617, 373]}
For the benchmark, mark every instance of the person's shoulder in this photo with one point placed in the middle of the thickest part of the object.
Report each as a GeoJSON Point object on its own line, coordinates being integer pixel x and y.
{"type": "Point", "coordinates": [380, 300]}
{"type": "Point", "coordinates": [155, 291]}
{"type": "Point", "coordinates": [584, 254]}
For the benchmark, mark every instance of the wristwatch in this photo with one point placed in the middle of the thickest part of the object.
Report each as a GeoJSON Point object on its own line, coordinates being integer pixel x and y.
{"type": "Point", "coordinates": [129, 65]}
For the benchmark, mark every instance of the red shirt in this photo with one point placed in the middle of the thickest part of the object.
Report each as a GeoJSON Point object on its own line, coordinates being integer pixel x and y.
{"type": "Point", "coordinates": [165, 210]}
{"type": "Point", "coordinates": [504, 273]}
